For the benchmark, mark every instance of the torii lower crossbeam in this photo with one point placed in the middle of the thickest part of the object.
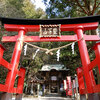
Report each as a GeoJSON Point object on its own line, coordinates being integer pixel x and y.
{"type": "Point", "coordinates": [63, 38]}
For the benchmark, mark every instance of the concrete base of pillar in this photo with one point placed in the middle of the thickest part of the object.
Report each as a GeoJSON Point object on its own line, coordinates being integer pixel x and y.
{"type": "Point", "coordinates": [83, 97]}
{"type": "Point", "coordinates": [6, 96]}
{"type": "Point", "coordinates": [94, 96]}
{"type": "Point", "coordinates": [18, 97]}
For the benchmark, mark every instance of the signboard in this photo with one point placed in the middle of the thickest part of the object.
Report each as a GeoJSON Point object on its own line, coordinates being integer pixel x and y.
{"type": "Point", "coordinates": [53, 78]}
{"type": "Point", "coordinates": [50, 31]}
{"type": "Point", "coordinates": [65, 84]}
{"type": "Point", "coordinates": [69, 82]}
{"type": "Point", "coordinates": [76, 81]}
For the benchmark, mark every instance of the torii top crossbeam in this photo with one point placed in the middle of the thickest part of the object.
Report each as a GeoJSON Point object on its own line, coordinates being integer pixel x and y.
{"type": "Point", "coordinates": [33, 25]}
{"type": "Point", "coordinates": [88, 19]}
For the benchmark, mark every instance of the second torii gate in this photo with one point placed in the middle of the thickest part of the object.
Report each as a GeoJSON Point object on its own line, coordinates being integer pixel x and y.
{"type": "Point", "coordinates": [22, 26]}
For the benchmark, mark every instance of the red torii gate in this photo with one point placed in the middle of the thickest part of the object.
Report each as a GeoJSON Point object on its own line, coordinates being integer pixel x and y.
{"type": "Point", "coordinates": [22, 29]}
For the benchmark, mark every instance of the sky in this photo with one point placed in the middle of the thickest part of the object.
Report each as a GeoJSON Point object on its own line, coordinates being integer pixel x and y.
{"type": "Point", "coordinates": [39, 3]}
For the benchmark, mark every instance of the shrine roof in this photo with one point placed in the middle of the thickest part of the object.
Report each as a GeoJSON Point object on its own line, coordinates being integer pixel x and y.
{"type": "Point", "coordinates": [58, 67]}
{"type": "Point", "coordinates": [18, 21]}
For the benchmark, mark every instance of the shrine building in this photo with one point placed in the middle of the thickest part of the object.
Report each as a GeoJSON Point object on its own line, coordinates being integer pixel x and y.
{"type": "Point", "coordinates": [54, 75]}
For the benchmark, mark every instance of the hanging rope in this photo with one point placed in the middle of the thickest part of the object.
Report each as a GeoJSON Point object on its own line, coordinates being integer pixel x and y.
{"type": "Point", "coordinates": [49, 51]}
{"type": "Point", "coordinates": [43, 49]}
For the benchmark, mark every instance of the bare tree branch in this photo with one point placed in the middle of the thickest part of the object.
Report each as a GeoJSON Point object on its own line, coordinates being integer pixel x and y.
{"type": "Point", "coordinates": [94, 7]}
{"type": "Point", "coordinates": [98, 5]}
{"type": "Point", "coordinates": [80, 10]}
{"type": "Point", "coordinates": [82, 7]}
{"type": "Point", "coordinates": [98, 13]}
{"type": "Point", "coordinates": [85, 2]}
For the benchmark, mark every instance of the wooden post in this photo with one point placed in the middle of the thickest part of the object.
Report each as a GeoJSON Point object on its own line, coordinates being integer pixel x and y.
{"type": "Point", "coordinates": [49, 88]}
{"type": "Point", "coordinates": [76, 86]}
{"type": "Point", "coordinates": [85, 61]}
{"type": "Point", "coordinates": [38, 88]}
{"type": "Point", "coordinates": [84, 58]}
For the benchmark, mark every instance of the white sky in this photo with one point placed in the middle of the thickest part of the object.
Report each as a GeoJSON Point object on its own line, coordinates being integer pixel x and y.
{"type": "Point", "coordinates": [39, 3]}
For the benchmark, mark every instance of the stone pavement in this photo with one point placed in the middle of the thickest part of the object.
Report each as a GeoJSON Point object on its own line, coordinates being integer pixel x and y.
{"type": "Point", "coordinates": [54, 97]}
{"type": "Point", "coordinates": [48, 97]}
{"type": "Point", "coordinates": [45, 98]}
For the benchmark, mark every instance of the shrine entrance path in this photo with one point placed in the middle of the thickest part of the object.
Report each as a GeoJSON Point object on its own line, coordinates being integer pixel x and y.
{"type": "Point", "coordinates": [48, 97]}
{"type": "Point", "coordinates": [45, 98]}
{"type": "Point", "coordinates": [53, 96]}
